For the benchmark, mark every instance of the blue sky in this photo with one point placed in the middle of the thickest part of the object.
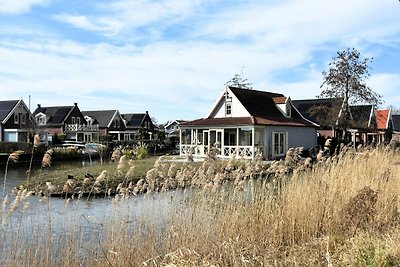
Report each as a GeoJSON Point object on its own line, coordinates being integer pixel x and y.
{"type": "Point", "coordinates": [173, 58]}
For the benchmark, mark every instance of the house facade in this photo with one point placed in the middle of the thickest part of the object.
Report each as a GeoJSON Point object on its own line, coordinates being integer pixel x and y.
{"type": "Point", "coordinates": [136, 124]}
{"type": "Point", "coordinates": [367, 124]}
{"type": "Point", "coordinates": [172, 129]}
{"type": "Point", "coordinates": [16, 121]}
{"type": "Point", "coordinates": [110, 122]}
{"type": "Point", "coordinates": [66, 120]}
{"type": "Point", "coordinates": [245, 123]}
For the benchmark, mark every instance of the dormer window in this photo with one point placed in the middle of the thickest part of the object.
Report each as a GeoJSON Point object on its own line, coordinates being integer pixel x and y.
{"type": "Point", "coordinates": [41, 119]}
{"type": "Point", "coordinates": [89, 120]}
{"type": "Point", "coordinates": [228, 108]}
{"type": "Point", "coordinates": [288, 109]}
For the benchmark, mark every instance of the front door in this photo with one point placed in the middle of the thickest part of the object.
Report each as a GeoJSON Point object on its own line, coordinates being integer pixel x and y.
{"type": "Point", "coordinates": [215, 140]}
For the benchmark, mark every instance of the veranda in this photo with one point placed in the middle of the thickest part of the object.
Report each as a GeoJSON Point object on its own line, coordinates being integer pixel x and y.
{"type": "Point", "coordinates": [239, 142]}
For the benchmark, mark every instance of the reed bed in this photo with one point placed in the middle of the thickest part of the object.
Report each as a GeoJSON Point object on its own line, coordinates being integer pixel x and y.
{"type": "Point", "coordinates": [341, 210]}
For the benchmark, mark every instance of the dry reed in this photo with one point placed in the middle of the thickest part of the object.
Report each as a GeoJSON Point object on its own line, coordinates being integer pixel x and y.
{"type": "Point", "coordinates": [340, 211]}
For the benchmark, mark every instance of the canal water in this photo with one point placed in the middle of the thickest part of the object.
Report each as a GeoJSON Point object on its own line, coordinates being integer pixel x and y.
{"type": "Point", "coordinates": [35, 216]}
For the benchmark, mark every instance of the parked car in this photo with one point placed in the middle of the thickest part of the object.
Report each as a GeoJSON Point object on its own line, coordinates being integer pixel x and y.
{"type": "Point", "coordinates": [94, 149]}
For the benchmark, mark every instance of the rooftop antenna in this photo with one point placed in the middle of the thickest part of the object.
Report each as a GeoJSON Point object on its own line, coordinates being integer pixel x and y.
{"type": "Point", "coordinates": [29, 103]}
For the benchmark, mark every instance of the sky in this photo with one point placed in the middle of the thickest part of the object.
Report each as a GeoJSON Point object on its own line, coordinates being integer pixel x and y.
{"type": "Point", "coordinates": [172, 58]}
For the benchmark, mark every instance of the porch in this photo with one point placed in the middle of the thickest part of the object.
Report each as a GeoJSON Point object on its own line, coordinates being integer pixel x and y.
{"type": "Point", "coordinates": [243, 142]}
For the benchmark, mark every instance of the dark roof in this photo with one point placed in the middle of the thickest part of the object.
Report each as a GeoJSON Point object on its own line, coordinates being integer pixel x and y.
{"type": "Point", "coordinates": [103, 117]}
{"type": "Point", "coordinates": [6, 107]}
{"type": "Point", "coordinates": [361, 115]}
{"type": "Point", "coordinates": [262, 108]}
{"type": "Point", "coordinates": [258, 103]}
{"type": "Point", "coordinates": [56, 114]}
{"type": "Point", "coordinates": [396, 122]}
{"type": "Point", "coordinates": [134, 119]}
{"type": "Point", "coordinates": [304, 106]}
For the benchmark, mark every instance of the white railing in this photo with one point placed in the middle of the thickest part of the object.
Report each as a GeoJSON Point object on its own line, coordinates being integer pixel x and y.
{"type": "Point", "coordinates": [194, 150]}
{"type": "Point", "coordinates": [246, 152]}
{"type": "Point", "coordinates": [81, 127]}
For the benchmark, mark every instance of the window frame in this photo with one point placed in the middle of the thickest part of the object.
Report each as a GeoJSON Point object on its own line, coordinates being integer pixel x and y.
{"type": "Point", "coordinates": [16, 118]}
{"type": "Point", "coordinates": [23, 118]}
{"type": "Point", "coordinates": [279, 144]}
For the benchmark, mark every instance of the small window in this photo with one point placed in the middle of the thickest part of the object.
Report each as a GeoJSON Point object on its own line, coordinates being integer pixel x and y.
{"type": "Point", "coordinates": [115, 124]}
{"type": "Point", "coordinates": [16, 118]}
{"type": "Point", "coordinates": [23, 118]}
{"type": "Point", "coordinates": [118, 123]}
{"type": "Point", "coordinates": [41, 120]}
{"type": "Point", "coordinates": [228, 108]}
{"type": "Point", "coordinates": [73, 120]}
{"type": "Point", "coordinates": [288, 110]}
{"type": "Point", "coordinates": [78, 120]}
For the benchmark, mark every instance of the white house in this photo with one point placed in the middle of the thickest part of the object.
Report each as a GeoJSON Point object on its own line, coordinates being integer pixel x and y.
{"type": "Point", "coordinates": [244, 122]}
{"type": "Point", "coordinates": [172, 128]}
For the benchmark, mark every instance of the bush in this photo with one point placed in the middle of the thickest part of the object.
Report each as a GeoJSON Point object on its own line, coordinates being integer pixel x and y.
{"type": "Point", "coordinates": [9, 147]}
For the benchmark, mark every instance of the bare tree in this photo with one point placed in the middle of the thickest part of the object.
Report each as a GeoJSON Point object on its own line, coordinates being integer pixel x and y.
{"type": "Point", "coordinates": [239, 82]}
{"type": "Point", "coordinates": [345, 79]}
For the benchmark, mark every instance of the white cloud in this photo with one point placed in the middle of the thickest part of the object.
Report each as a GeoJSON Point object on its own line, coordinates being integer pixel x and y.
{"type": "Point", "coordinates": [131, 15]}
{"type": "Point", "coordinates": [388, 86]}
{"type": "Point", "coordinates": [80, 21]}
{"type": "Point", "coordinates": [19, 6]}
{"type": "Point", "coordinates": [307, 21]}
{"type": "Point", "coordinates": [180, 79]}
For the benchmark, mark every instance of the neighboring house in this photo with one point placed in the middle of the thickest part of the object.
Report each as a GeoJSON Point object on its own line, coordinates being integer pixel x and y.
{"type": "Point", "coordinates": [16, 121]}
{"type": "Point", "coordinates": [172, 129]}
{"type": "Point", "coordinates": [243, 123]}
{"type": "Point", "coordinates": [396, 122]}
{"type": "Point", "coordinates": [396, 126]}
{"type": "Point", "coordinates": [364, 129]}
{"type": "Point", "coordinates": [384, 125]}
{"type": "Point", "coordinates": [136, 121]}
{"type": "Point", "coordinates": [306, 106]}
{"type": "Point", "coordinates": [67, 120]}
{"type": "Point", "coordinates": [110, 123]}
{"type": "Point", "coordinates": [364, 126]}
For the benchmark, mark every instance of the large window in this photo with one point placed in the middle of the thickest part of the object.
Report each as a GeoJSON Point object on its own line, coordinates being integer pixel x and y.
{"type": "Point", "coordinates": [186, 134]}
{"type": "Point", "coordinates": [279, 143]}
{"type": "Point", "coordinates": [245, 137]}
{"type": "Point", "coordinates": [230, 137]}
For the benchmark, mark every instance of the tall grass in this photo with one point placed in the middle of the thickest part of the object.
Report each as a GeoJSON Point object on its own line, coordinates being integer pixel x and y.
{"type": "Point", "coordinates": [342, 211]}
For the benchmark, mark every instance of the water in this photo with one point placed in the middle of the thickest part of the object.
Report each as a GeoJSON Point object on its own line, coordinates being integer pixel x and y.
{"type": "Point", "coordinates": [35, 218]}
